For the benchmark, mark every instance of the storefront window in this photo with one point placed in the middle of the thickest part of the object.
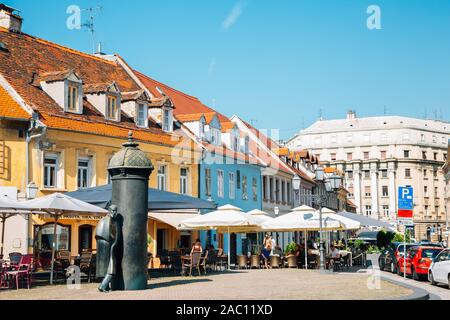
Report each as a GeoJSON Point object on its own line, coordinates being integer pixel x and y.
{"type": "Point", "coordinates": [44, 237]}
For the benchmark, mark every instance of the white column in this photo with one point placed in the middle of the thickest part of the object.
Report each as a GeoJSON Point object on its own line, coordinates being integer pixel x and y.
{"type": "Point", "coordinates": [374, 192]}
{"type": "Point", "coordinates": [392, 195]}
{"type": "Point", "coordinates": [357, 190]}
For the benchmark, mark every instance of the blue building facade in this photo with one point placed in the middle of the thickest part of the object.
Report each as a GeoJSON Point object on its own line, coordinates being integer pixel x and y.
{"type": "Point", "coordinates": [225, 180]}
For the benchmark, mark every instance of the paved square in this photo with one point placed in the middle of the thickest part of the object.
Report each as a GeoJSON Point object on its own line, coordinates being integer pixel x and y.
{"type": "Point", "coordinates": [235, 285]}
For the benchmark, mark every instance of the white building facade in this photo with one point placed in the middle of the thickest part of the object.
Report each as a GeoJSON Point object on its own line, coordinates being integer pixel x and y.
{"type": "Point", "coordinates": [379, 154]}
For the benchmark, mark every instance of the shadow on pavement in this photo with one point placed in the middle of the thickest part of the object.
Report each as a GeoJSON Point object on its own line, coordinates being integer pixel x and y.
{"type": "Point", "coordinates": [175, 283]}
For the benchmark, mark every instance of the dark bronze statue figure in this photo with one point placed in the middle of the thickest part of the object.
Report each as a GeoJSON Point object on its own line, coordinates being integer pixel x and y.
{"type": "Point", "coordinates": [104, 240]}
{"type": "Point", "coordinates": [114, 255]}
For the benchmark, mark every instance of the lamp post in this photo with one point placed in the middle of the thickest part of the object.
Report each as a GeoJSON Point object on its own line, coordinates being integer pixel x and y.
{"type": "Point", "coordinates": [332, 184]}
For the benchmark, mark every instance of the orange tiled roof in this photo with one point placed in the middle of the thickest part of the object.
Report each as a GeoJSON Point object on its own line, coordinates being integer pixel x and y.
{"type": "Point", "coordinates": [184, 103]}
{"type": "Point", "coordinates": [10, 108]}
{"type": "Point", "coordinates": [106, 129]}
{"type": "Point", "coordinates": [227, 126]}
{"type": "Point", "coordinates": [28, 58]}
{"type": "Point", "coordinates": [196, 117]}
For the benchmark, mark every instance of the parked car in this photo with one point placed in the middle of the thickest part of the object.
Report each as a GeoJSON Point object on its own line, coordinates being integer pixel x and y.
{"type": "Point", "coordinates": [388, 259]}
{"type": "Point", "coordinates": [418, 261]}
{"type": "Point", "coordinates": [440, 269]}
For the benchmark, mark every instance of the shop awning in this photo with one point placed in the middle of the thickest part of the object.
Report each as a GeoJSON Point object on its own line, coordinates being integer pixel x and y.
{"type": "Point", "coordinates": [171, 218]}
{"type": "Point", "coordinates": [157, 199]}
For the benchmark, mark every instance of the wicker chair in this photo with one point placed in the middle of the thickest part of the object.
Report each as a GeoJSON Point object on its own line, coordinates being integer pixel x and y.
{"type": "Point", "coordinates": [242, 262]}
{"type": "Point", "coordinates": [255, 262]}
{"type": "Point", "coordinates": [203, 261]}
{"type": "Point", "coordinates": [87, 264]}
{"type": "Point", "coordinates": [275, 262]}
{"type": "Point", "coordinates": [195, 262]}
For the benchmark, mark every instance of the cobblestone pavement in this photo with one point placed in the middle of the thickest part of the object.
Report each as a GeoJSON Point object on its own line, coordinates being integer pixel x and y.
{"type": "Point", "coordinates": [235, 285]}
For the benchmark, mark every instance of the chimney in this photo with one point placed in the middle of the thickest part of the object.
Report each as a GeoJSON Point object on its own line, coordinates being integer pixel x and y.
{"type": "Point", "coordinates": [351, 115]}
{"type": "Point", "coordinates": [10, 20]}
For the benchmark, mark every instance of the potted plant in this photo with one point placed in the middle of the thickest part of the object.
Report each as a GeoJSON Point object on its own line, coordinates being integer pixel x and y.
{"type": "Point", "coordinates": [255, 259]}
{"type": "Point", "coordinates": [291, 258]}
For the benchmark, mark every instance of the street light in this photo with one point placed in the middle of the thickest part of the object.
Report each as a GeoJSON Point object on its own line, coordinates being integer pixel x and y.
{"type": "Point", "coordinates": [296, 186]}
{"type": "Point", "coordinates": [320, 174]}
{"type": "Point", "coordinates": [332, 184]}
{"type": "Point", "coordinates": [32, 190]}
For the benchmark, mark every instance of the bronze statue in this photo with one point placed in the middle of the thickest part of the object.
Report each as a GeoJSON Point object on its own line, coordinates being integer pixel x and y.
{"type": "Point", "coordinates": [104, 240]}
{"type": "Point", "coordinates": [114, 255]}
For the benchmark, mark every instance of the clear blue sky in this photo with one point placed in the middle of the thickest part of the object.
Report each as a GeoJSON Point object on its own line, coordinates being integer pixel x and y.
{"type": "Point", "coordinates": [276, 63]}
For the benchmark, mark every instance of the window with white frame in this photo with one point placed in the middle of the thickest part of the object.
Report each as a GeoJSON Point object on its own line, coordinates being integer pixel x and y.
{"type": "Point", "coordinates": [162, 177]}
{"type": "Point", "coordinates": [215, 136]}
{"type": "Point", "coordinates": [255, 189]}
{"type": "Point", "coordinates": [386, 210]}
{"type": "Point", "coordinates": [167, 120]}
{"type": "Point", "coordinates": [231, 185]}
{"type": "Point", "coordinates": [247, 145]}
{"type": "Point", "coordinates": [244, 188]}
{"type": "Point", "coordinates": [220, 185]}
{"type": "Point", "coordinates": [141, 115]}
{"type": "Point", "coordinates": [368, 210]}
{"type": "Point", "coordinates": [84, 173]}
{"type": "Point", "coordinates": [184, 180]}
{"type": "Point", "coordinates": [202, 130]}
{"type": "Point", "coordinates": [51, 170]}
{"type": "Point", "coordinates": [208, 182]}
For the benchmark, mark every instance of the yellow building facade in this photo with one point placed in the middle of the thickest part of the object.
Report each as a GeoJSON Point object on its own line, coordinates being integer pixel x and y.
{"type": "Point", "coordinates": [77, 110]}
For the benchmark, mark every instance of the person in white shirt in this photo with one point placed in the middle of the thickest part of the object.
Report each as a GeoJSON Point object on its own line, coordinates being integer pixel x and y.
{"type": "Point", "coordinates": [334, 255]}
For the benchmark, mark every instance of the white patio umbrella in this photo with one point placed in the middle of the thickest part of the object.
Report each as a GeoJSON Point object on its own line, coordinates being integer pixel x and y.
{"type": "Point", "coordinates": [303, 219]}
{"type": "Point", "coordinates": [264, 216]}
{"type": "Point", "coordinates": [9, 208]}
{"type": "Point", "coordinates": [225, 219]}
{"type": "Point", "coordinates": [300, 219]}
{"type": "Point", "coordinates": [58, 205]}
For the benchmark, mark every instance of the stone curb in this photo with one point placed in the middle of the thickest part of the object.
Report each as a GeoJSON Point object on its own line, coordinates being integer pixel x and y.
{"type": "Point", "coordinates": [418, 293]}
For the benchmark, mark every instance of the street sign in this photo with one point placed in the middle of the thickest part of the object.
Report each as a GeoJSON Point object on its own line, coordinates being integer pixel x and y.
{"type": "Point", "coordinates": [405, 202]}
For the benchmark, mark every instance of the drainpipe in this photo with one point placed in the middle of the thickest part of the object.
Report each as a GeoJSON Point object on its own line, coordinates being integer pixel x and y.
{"type": "Point", "coordinates": [28, 138]}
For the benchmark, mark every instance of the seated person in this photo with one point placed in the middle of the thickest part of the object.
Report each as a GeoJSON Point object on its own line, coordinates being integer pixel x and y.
{"type": "Point", "coordinates": [277, 252]}
{"type": "Point", "coordinates": [334, 255]}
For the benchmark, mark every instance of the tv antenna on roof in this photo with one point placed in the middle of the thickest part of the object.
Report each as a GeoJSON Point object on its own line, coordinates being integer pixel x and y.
{"type": "Point", "coordinates": [89, 24]}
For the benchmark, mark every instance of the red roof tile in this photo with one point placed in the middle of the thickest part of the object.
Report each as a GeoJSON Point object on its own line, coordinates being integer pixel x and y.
{"type": "Point", "coordinates": [28, 58]}
{"type": "Point", "coordinates": [9, 108]}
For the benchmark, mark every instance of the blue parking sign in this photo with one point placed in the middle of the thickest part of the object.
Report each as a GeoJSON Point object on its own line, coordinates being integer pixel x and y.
{"type": "Point", "coordinates": [405, 198]}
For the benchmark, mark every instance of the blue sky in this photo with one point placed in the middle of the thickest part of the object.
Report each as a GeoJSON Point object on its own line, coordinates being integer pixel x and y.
{"type": "Point", "coordinates": [275, 63]}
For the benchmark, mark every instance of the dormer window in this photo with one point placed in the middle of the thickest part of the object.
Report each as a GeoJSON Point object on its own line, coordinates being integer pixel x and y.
{"type": "Point", "coordinates": [73, 97]}
{"type": "Point", "coordinates": [202, 129]}
{"type": "Point", "coordinates": [64, 87]}
{"type": "Point", "coordinates": [167, 121]}
{"type": "Point", "coordinates": [111, 108]}
{"type": "Point", "coordinates": [215, 136]}
{"type": "Point", "coordinates": [247, 145]}
{"type": "Point", "coordinates": [106, 98]}
{"type": "Point", "coordinates": [141, 115]}
{"type": "Point", "coordinates": [135, 104]}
